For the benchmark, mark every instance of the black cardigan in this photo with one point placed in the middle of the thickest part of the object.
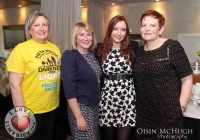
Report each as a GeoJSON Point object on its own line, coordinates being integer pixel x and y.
{"type": "Point", "coordinates": [78, 78]}
{"type": "Point", "coordinates": [134, 46]}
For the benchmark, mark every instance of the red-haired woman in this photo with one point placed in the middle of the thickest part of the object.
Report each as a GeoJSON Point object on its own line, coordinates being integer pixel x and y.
{"type": "Point", "coordinates": [117, 105]}
{"type": "Point", "coordinates": [163, 80]}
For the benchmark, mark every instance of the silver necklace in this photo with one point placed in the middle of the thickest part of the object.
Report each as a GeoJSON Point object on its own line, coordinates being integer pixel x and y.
{"type": "Point", "coordinates": [151, 50]}
{"type": "Point", "coordinates": [154, 45]}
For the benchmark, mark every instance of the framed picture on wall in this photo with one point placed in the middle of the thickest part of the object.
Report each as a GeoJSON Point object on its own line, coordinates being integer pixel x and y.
{"type": "Point", "coordinates": [13, 35]}
{"type": "Point", "coordinates": [191, 44]}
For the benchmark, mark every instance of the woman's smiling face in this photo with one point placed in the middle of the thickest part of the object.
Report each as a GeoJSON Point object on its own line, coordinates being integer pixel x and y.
{"type": "Point", "coordinates": [39, 30]}
{"type": "Point", "coordinates": [150, 29]}
{"type": "Point", "coordinates": [119, 32]}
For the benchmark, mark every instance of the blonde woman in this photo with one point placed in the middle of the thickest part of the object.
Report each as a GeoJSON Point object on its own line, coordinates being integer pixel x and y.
{"type": "Point", "coordinates": [4, 84]}
{"type": "Point", "coordinates": [34, 75]}
{"type": "Point", "coordinates": [5, 98]}
{"type": "Point", "coordinates": [80, 74]}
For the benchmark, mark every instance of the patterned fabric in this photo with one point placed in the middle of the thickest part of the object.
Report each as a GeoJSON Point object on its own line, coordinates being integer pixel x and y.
{"type": "Point", "coordinates": [90, 113]}
{"type": "Point", "coordinates": [91, 116]}
{"type": "Point", "coordinates": [92, 61]}
{"type": "Point", "coordinates": [117, 104]}
{"type": "Point", "coordinates": [158, 73]}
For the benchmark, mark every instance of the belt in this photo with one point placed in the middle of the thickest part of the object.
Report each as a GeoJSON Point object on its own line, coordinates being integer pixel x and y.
{"type": "Point", "coordinates": [118, 76]}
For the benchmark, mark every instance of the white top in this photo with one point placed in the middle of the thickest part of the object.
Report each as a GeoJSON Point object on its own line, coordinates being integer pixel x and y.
{"type": "Point", "coordinates": [192, 111]}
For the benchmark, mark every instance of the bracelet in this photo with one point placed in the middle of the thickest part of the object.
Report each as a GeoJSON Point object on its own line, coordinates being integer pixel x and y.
{"type": "Point", "coordinates": [184, 108]}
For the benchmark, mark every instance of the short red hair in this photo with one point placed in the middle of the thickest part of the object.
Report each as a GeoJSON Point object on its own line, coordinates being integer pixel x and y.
{"type": "Point", "coordinates": [155, 14]}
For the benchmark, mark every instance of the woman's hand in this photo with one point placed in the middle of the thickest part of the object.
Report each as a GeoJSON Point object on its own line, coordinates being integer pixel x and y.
{"type": "Point", "coordinates": [81, 123]}
{"type": "Point", "coordinates": [186, 90]}
{"type": "Point", "coordinates": [80, 120]}
{"type": "Point", "coordinates": [183, 109]}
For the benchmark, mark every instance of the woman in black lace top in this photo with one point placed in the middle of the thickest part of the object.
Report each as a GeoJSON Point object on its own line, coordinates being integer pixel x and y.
{"type": "Point", "coordinates": [163, 82]}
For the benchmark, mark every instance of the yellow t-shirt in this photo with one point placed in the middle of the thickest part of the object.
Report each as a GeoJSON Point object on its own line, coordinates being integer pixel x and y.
{"type": "Point", "coordinates": [40, 66]}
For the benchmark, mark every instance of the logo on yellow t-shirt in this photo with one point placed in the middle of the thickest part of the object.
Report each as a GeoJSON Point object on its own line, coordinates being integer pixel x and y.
{"type": "Point", "coordinates": [49, 69]}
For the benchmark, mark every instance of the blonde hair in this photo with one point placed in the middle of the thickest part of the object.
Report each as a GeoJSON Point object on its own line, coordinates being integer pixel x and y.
{"type": "Point", "coordinates": [4, 83]}
{"type": "Point", "coordinates": [31, 19]}
{"type": "Point", "coordinates": [77, 29]}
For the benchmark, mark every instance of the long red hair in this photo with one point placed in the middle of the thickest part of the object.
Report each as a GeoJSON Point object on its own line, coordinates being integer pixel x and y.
{"type": "Point", "coordinates": [125, 48]}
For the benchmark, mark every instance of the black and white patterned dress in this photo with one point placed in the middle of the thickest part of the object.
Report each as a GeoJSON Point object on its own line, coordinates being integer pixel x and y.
{"type": "Point", "coordinates": [90, 113]}
{"type": "Point", "coordinates": [117, 104]}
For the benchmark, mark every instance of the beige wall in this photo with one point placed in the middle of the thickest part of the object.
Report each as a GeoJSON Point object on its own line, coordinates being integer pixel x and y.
{"type": "Point", "coordinates": [13, 16]}
{"type": "Point", "coordinates": [182, 16]}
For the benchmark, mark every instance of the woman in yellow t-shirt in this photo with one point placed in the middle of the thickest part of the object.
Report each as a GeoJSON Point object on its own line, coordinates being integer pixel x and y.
{"type": "Point", "coordinates": [34, 75]}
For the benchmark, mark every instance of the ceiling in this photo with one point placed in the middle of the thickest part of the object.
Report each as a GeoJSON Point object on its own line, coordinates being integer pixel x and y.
{"type": "Point", "coordinates": [117, 2]}
{"type": "Point", "coordinates": [14, 3]}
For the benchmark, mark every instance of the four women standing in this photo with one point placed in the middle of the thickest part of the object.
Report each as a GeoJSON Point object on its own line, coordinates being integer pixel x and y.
{"type": "Point", "coordinates": [162, 74]}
